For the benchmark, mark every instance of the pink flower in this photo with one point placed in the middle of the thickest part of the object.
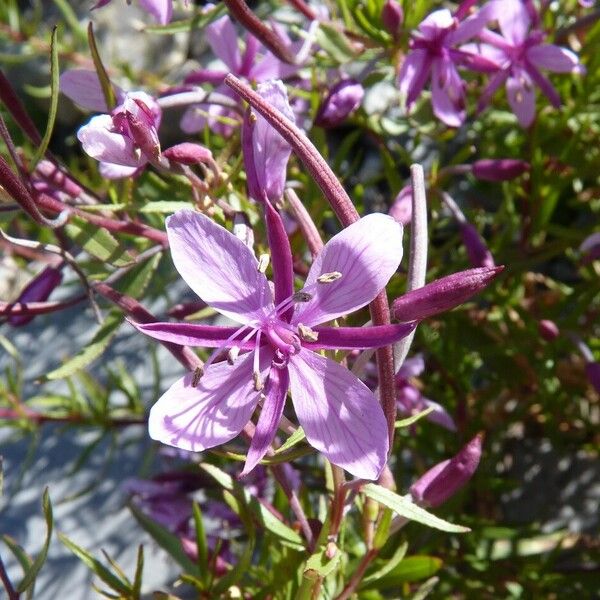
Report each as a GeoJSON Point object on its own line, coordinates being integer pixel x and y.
{"type": "Point", "coordinates": [274, 349]}
{"type": "Point", "coordinates": [125, 140]}
{"type": "Point", "coordinates": [161, 10]}
{"type": "Point", "coordinates": [520, 54]}
{"type": "Point", "coordinates": [434, 56]}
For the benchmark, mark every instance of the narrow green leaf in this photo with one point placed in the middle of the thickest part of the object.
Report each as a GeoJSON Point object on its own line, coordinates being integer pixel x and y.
{"type": "Point", "coordinates": [425, 589]}
{"type": "Point", "coordinates": [40, 559]}
{"type": "Point", "coordinates": [200, 538]}
{"type": "Point", "coordinates": [408, 570]}
{"type": "Point", "coordinates": [105, 84]}
{"type": "Point", "coordinates": [98, 242]}
{"type": "Point", "coordinates": [139, 569]}
{"type": "Point", "coordinates": [165, 539]}
{"type": "Point", "coordinates": [294, 439]}
{"type": "Point", "coordinates": [165, 206]}
{"type": "Point", "coordinates": [96, 566]}
{"type": "Point", "coordinates": [335, 43]}
{"type": "Point", "coordinates": [135, 281]}
{"type": "Point", "coordinates": [319, 565]}
{"type": "Point", "coordinates": [54, 74]}
{"type": "Point", "coordinates": [92, 351]}
{"type": "Point", "coordinates": [22, 557]}
{"type": "Point", "coordinates": [383, 529]}
{"type": "Point", "coordinates": [407, 508]}
{"type": "Point", "coordinates": [413, 419]}
{"type": "Point", "coordinates": [388, 565]}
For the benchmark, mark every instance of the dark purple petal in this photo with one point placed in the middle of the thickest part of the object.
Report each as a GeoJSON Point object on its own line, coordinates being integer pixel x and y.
{"type": "Point", "coordinates": [592, 370]}
{"type": "Point", "coordinates": [37, 290]}
{"type": "Point", "coordinates": [343, 99]}
{"type": "Point", "coordinates": [413, 75]}
{"type": "Point", "coordinates": [503, 169]}
{"type": "Point", "coordinates": [347, 338]}
{"type": "Point", "coordinates": [477, 250]}
{"type": "Point", "coordinates": [200, 76]}
{"type": "Point", "coordinates": [544, 84]}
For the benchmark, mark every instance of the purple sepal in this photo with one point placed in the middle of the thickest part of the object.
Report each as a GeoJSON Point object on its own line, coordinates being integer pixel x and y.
{"type": "Point", "coordinates": [392, 17]}
{"type": "Point", "coordinates": [343, 99]}
{"type": "Point", "coordinates": [443, 294]}
{"type": "Point", "coordinates": [446, 478]}
{"type": "Point", "coordinates": [503, 169]}
{"type": "Point", "coordinates": [37, 290]}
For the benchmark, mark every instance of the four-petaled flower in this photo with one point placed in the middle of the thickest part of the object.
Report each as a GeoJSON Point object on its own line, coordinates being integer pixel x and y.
{"type": "Point", "coordinates": [276, 347]}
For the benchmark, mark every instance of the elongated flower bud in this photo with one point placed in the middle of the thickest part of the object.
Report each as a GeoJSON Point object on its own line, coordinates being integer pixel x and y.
{"type": "Point", "coordinates": [443, 294]}
{"type": "Point", "coordinates": [401, 208]}
{"type": "Point", "coordinates": [502, 169]}
{"type": "Point", "coordinates": [343, 99]}
{"type": "Point", "coordinates": [392, 17]}
{"type": "Point", "coordinates": [446, 478]}
{"type": "Point", "coordinates": [37, 290]}
{"type": "Point", "coordinates": [548, 330]}
{"type": "Point", "coordinates": [187, 153]}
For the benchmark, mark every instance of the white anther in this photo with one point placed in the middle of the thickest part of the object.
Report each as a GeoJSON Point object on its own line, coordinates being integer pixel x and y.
{"type": "Point", "coordinates": [307, 334]}
{"type": "Point", "coordinates": [233, 354]}
{"type": "Point", "coordinates": [329, 277]}
{"type": "Point", "coordinates": [258, 384]}
{"type": "Point", "coordinates": [263, 263]}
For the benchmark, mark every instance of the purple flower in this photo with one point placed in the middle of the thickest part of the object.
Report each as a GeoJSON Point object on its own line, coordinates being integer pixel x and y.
{"type": "Point", "coordinates": [499, 169]}
{"type": "Point", "coordinates": [411, 401]}
{"type": "Point", "coordinates": [343, 99]}
{"type": "Point", "coordinates": [254, 64]}
{"type": "Point", "coordinates": [266, 153]}
{"type": "Point", "coordinates": [520, 54]}
{"type": "Point", "coordinates": [392, 17]}
{"type": "Point", "coordinates": [401, 208]}
{"type": "Point", "coordinates": [446, 478]}
{"type": "Point", "coordinates": [590, 248]}
{"type": "Point", "coordinates": [161, 10]}
{"type": "Point", "coordinates": [433, 55]}
{"type": "Point", "coordinates": [125, 140]}
{"type": "Point", "coordinates": [274, 349]}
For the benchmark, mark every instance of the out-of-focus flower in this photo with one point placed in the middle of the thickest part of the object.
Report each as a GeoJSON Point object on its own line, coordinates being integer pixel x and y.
{"type": "Point", "coordinates": [446, 478]}
{"type": "Point", "coordinates": [392, 17]}
{"type": "Point", "coordinates": [37, 290]}
{"type": "Point", "coordinates": [254, 64]}
{"type": "Point", "coordinates": [125, 140]}
{"type": "Point", "coordinates": [592, 370]}
{"type": "Point", "coordinates": [548, 330]}
{"type": "Point", "coordinates": [83, 87]}
{"type": "Point", "coordinates": [590, 248]}
{"type": "Point", "coordinates": [266, 153]}
{"type": "Point", "coordinates": [502, 169]}
{"type": "Point", "coordinates": [520, 54]}
{"type": "Point", "coordinates": [443, 294]}
{"type": "Point", "coordinates": [161, 10]}
{"type": "Point", "coordinates": [343, 99]}
{"type": "Point", "coordinates": [434, 55]}
{"type": "Point", "coordinates": [409, 398]}
{"type": "Point", "coordinates": [340, 415]}
{"type": "Point", "coordinates": [401, 208]}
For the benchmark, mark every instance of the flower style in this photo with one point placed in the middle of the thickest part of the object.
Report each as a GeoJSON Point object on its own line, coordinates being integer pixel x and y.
{"type": "Point", "coordinates": [340, 416]}
{"type": "Point", "coordinates": [433, 55]}
{"type": "Point", "coordinates": [125, 140]}
{"type": "Point", "coordinates": [520, 54]}
{"type": "Point", "coordinates": [223, 40]}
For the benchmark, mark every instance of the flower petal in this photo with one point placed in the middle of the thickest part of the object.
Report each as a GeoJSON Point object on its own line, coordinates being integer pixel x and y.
{"type": "Point", "coordinates": [339, 414]}
{"type": "Point", "coordinates": [447, 93]}
{"type": "Point", "coordinates": [213, 412]}
{"type": "Point", "coordinates": [222, 37]}
{"type": "Point", "coordinates": [193, 334]}
{"type": "Point", "coordinates": [82, 86]}
{"type": "Point", "coordinates": [413, 75]}
{"type": "Point", "coordinates": [218, 267]}
{"type": "Point", "coordinates": [513, 19]}
{"type": "Point", "coordinates": [161, 10]}
{"type": "Point", "coordinates": [266, 428]}
{"type": "Point", "coordinates": [112, 171]}
{"type": "Point", "coordinates": [554, 58]}
{"type": "Point", "coordinates": [521, 96]}
{"type": "Point", "coordinates": [367, 254]}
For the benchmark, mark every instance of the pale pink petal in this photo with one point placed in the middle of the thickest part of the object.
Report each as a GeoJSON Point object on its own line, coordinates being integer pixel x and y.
{"type": "Point", "coordinates": [222, 37]}
{"type": "Point", "coordinates": [491, 53]}
{"type": "Point", "coordinates": [339, 414]}
{"type": "Point", "coordinates": [413, 75]}
{"type": "Point", "coordinates": [513, 19]}
{"type": "Point", "coordinates": [439, 415]}
{"type": "Point", "coordinates": [103, 144]}
{"type": "Point", "coordinates": [82, 86]}
{"type": "Point", "coordinates": [270, 415]}
{"type": "Point", "coordinates": [433, 23]}
{"type": "Point", "coordinates": [468, 28]}
{"type": "Point", "coordinates": [521, 97]}
{"type": "Point", "coordinates": [213, 412]}
{"type": "Point", "coordinates": [112, 171]}
{"type": "Point", "coordinates": [366, 254]}
{"type": "Point", "coordinates": [161, 10]}
{"type": "Point", "coordinates": [447, 93]}
{"type": "Point", "coordinates": [218, 266]}
{"type": "Point", "coordinates": [554, 58]}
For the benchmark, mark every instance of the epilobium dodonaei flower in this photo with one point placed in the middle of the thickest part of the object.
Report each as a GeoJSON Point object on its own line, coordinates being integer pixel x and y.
{"type": "Point", "coordinates": [446, 478]}
{"type": "Point", "coordinates": [125, 140]}
{"type": "Point", "coordinates": [433, 54]}
{"type": "Point", "coordinates": [520, 54]}
{"type": "Point", "coordinates": [266, 153]}
{"type": "Point", "coordinates": [274, 349]}
{"type": "Point", "coordinates": [343, 99]}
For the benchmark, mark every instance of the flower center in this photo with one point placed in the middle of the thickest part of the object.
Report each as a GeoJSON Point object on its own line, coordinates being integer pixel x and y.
{"type": "Point", "coordinates": [282, 338]}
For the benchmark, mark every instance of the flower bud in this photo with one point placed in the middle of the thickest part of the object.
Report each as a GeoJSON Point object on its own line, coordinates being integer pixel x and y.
{"type": "Point", "coordinates": [478, 253]}
{"type": "Point", "coordinates": [590, 248]}
{"type": "Point", "coordinates": [446, 478]}
{"type": "Point", "coordinates": [401, 209]}
{"type": "Point", "coordinates": [392, 17]}
{"type": "Point", "coordinates": [187, 153]}
{"type": "Point", "coordinates": [442, 294]}
{"type": "Point", "coordinates": [592, 370]}
{"type": "Point", "coordinates": [37, 290]}
{"type": "Point", "coordinates": [343, 99]}
{"type": "Point", "coordinates": [548, 330]}
{"type": "Point", "coordinates": [502, 169]}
